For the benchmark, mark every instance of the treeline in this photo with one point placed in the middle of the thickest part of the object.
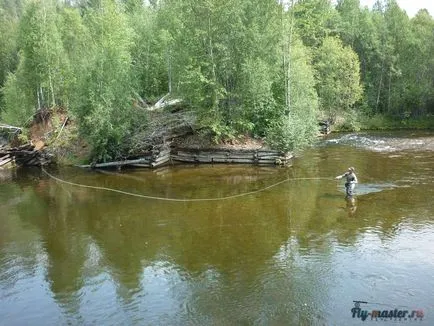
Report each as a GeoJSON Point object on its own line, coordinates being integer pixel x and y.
{"type": "Point", "coordinates": [267, 68]}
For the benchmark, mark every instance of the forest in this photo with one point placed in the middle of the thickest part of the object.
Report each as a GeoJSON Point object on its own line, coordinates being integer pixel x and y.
{"type": "Point", "coordinates": [269, 69]}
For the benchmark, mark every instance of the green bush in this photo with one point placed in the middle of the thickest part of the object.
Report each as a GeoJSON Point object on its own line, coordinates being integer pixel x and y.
{"type": "Point", "coordinates": [291, 133]}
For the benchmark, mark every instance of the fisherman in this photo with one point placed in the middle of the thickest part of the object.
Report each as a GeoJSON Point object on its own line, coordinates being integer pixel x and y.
{"type": "Point", "coordinates": [351, 180]}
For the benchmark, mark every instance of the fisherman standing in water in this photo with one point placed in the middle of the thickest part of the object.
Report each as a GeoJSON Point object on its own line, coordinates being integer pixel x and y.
{"type": "Point", "coordinates": [351, 180]}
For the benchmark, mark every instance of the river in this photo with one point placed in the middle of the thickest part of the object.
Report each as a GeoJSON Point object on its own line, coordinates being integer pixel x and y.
{"type": "Point", "coordinates": [297, 253]}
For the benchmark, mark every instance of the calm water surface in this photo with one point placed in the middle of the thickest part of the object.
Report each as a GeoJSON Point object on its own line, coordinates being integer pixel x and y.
{"type": "Point", "coordinates": [295, 254]}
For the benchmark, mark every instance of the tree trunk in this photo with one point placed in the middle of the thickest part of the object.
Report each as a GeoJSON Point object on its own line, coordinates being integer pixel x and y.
{"type": "Point", "coordinates": [380, 84]}
{"type": "Point", "coordinates": [388, 96]}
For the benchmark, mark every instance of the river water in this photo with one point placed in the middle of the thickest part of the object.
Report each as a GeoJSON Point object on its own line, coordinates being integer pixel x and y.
{"type": "Point", "coordinates": [297, 253]}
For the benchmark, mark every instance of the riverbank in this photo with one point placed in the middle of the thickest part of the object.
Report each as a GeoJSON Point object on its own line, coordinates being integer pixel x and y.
{"type": "Point", "coordinates": [383, 122]}
{"type": "Point", "coordinates": [58, 134]}
{"type": "Point", "coordinates": [165, 141]}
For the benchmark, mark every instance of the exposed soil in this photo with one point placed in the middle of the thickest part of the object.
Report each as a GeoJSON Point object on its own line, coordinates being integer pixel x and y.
{"type": "Point", "coordinates": [58, 133]}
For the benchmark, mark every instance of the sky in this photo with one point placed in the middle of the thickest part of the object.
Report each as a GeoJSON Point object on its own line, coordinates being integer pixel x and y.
{"type": "Point", "coordinates": [410, 6]}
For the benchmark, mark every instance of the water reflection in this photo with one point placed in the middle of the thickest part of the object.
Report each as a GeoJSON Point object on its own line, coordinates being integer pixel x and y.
{"type": "Point", "coordinates": [296, 254]}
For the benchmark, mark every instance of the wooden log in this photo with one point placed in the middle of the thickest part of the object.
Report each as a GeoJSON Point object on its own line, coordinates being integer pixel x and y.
{"type": "Point", "coordinates": [183, 153]}
{"type": "Point", "coordinates": [232, 160]}
{"type": "Point", "coordinates": [207, 159]}
{"type": "Point", "coordinates": [23, 153]}
{"type": "Point", "coordinates": [115, 164]}
{"type": "Point", "coordinates": [19, 156]}
{"type": "Point", "coordinates": [34, 161]}
{"type": "Point", "coordinates": [250, 156]}
{"type": "Point", "coordinates": [28, 147]}
{"type": "Point", "coordinates": [216, 153]}
{"type": "Point", "coordinates": [222, 154]}
{"type": "Point", "coordinates": [269, 160]}
{"type": "Point", "coordinates": [269, 157]}
{"type": "Point", "coordinates": [5, 161]}
{"type": "Point", "coordinates": [228, 156]}
{"type": "Point", "coordinates": [23, 160]}
{"type": "Point", "coordinates": [4, 157]}
{"type": "Point", "coordinates": [161, 158]}
{"type": "Point", "coordinates": [220, 158]}
{"type": "Point", "coordinates": [160, 163]}
{"type": "Point", "coordinates": [269, 153]}
{"type": "Point", "coordinates": [227, 152]}
{"type": "Point", "coordinates": [183, 158]}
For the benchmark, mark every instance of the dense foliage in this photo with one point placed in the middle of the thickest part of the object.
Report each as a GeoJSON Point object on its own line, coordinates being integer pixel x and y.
{"type": "Point", "coordinates": [266, 68]}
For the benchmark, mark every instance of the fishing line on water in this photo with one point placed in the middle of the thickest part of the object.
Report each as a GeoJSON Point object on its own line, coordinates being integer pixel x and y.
{"type": "Point", "coordinates": [178, 199]}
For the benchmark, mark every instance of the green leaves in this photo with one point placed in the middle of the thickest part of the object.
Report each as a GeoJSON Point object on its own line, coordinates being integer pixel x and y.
{"type": "Point", "coordinates": [243, 66]}
{"type": "Point", "coordinates": [43, 69]}
{"type": "Point", "coordinates": [104, 87]}
{"type": "Point", "coordinates": [339, 77]}
{"type": "Point", "coordinates": [297, 127]}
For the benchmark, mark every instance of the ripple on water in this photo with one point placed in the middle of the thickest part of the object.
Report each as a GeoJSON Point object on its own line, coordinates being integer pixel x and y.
{"type": "Point", "coordinates": [384, 144]}
{"type": "Point", "coordinates": [13, 271]}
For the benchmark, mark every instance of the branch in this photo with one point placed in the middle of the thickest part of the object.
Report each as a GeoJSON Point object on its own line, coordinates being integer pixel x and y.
{"type": "Point", "coordinates": [64, 123]}
{"type": "Point", "coordinates": [3, 126]}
